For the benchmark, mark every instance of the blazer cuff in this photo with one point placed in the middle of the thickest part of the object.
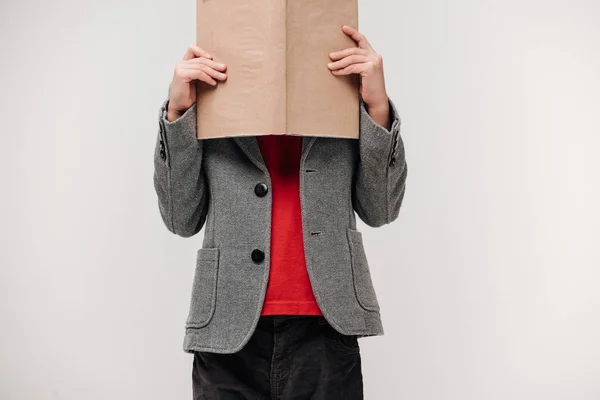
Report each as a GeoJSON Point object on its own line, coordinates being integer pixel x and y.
{"type": "Point", "coordinates": [370, 124]}
{"type": "Point", "coordinates": [180, 133]}
{"type": "Point", "coordinates": [379, 136]}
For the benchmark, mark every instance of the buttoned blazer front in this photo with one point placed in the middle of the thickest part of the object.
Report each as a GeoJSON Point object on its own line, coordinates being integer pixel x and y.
{"type": "Point", "coordinates": [219, 185]}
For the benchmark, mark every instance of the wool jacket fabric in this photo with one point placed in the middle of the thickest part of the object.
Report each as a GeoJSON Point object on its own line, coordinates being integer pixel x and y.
{"type": "Point", "coordinates": [210, 184]}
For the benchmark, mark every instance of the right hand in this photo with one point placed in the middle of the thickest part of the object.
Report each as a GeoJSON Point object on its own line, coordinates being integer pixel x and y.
{"type": "Point", "coordinates": [197, 65]}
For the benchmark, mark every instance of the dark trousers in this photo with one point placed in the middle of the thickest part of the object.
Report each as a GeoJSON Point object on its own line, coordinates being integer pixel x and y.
{"type": "Point", "coordinates": [287, 358]}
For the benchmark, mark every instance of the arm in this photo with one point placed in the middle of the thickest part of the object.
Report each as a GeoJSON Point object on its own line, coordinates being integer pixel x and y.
{"type": "Point", "coordinates": [179, 180]}
{"type": "Point", "coordinates": [380, 177]}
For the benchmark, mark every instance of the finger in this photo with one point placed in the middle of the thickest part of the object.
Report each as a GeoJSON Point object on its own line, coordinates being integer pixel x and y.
{"type": "Point", "coordinates": [191, 74]}
{"type": "Point", "coordinates": [358, 37]}
{"type": "Point", "coordinates": [344, 62]}
{"type": "Point", "coordinates": [336, 55]}
{"type": "Point", "coordinates": [350, 69]}
{"type": "Point", "coordinates": [208, 70]}
{"type": "Point", "coordinates": [195, 51]}
{"type": "Point", "coordinates": [206, 61]}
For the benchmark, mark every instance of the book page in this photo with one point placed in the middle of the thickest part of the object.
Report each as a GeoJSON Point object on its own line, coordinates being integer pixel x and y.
{"type": "Point", "coordinates": [249, 37]}
{"type": "Point", "coordinates": [318, 102]}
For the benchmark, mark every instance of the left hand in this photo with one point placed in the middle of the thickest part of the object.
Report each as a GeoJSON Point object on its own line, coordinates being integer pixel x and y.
{"type": "Point", "coordinates": [365, 61]}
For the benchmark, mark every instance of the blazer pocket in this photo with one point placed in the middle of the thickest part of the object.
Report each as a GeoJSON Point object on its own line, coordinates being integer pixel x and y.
{"type": "Point", "coordinates": [361, 275]}
{"type": "Point", "coordinates": [204, 289]}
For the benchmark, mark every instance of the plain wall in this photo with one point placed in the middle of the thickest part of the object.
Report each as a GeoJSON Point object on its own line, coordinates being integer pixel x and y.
{"type": "Point", "coordinates": [488, 281]}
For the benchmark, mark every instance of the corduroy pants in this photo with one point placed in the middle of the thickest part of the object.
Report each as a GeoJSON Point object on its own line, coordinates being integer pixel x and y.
{"type": "Point", "coordinates": [295, 357]}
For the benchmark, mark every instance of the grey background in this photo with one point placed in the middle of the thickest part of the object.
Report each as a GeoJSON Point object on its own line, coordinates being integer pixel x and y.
{"type": "Point", "coordinates": [495, 294]}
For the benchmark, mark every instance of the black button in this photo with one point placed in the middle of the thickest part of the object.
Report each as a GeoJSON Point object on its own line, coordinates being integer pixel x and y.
{"type": "Point", "coordinates": [392, 161]}
{"type": "Point", "coordinates": [258, 255]}
{"type": "Point", "coordinates": [261, 189]}
{"type": "Point", "coordinates": [163, 155]}
{"type": "Point", "coordinates": [162, 144]}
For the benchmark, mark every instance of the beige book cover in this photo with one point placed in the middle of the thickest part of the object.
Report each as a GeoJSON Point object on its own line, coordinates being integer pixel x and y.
{"type": "Point", "coordinates": [276, 52]}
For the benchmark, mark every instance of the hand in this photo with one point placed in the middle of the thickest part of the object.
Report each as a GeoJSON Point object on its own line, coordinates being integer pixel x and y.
{"type": "Point", "coordinates": [363, 60]}
{"type": "Point", "coordinates": [197, 65]}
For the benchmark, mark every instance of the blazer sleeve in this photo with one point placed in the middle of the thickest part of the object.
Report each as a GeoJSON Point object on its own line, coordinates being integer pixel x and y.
{"type": "Point", "coordinates": [380, 177]}
{"type": "Point", "coordinates": [179, 179]}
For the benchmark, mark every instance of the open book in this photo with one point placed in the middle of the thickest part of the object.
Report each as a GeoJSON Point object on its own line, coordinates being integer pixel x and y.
{"type": "Point", "coordinates": [276, 52]}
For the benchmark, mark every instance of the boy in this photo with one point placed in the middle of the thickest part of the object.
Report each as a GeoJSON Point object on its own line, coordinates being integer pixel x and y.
{"type": "Point", "coordinates": [282, 289]}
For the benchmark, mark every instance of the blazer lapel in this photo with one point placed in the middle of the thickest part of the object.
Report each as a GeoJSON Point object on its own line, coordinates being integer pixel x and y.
{"type": "Point", "coordinates": [249, 145]}
{"type": "Point", "coordinates": [307, 142]}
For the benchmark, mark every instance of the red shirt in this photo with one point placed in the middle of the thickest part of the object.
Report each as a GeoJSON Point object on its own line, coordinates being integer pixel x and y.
{"type": "Point", "coordinates": [289, 290]}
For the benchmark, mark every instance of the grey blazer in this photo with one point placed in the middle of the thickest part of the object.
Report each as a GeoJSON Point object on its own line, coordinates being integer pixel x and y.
{"type": "Point", "coordinates": [219, 184]}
